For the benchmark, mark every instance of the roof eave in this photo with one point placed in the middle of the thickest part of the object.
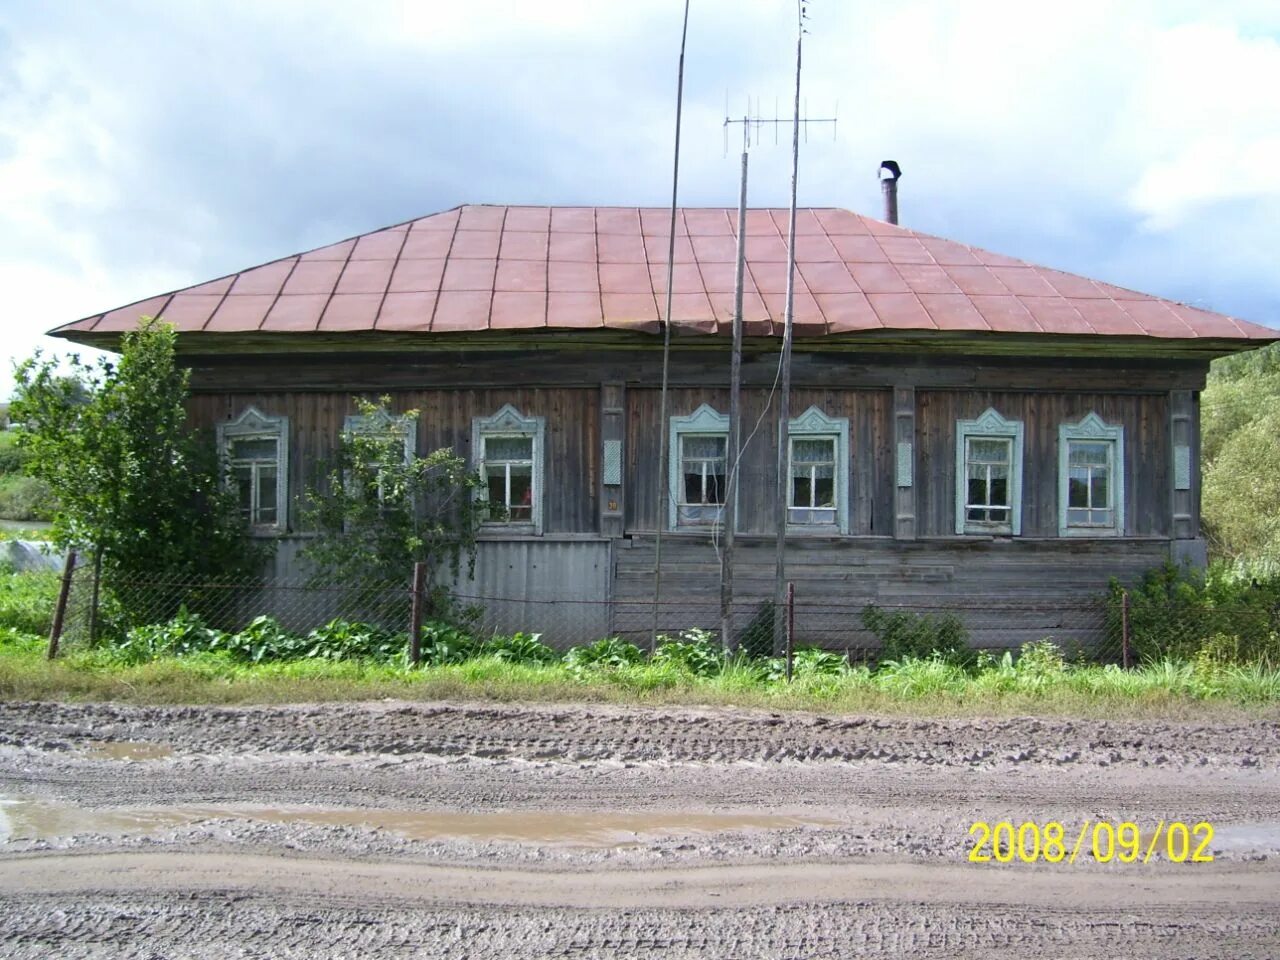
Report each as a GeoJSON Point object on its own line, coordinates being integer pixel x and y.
{"type": "Point", "coordinates": [879, 340]}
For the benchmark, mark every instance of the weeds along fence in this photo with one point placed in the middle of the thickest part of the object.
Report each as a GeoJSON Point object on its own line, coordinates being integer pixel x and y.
{"type": "Point", "coordinates": [1114, 628]}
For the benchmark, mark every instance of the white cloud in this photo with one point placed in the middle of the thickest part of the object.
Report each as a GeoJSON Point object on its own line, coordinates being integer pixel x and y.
{"type": "Point", "coordinates": [1204, 116]}
{"type": "Point", "coordinates": [158, 146]}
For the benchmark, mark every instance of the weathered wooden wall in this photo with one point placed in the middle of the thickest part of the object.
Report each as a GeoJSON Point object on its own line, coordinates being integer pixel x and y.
{"type": "Point", "coordinates": [1008, 592]}
{"type": "Point", "coordinates": [1147, 454]}
{"type": "Point", "coordinates": [870, 445]}
{"type": "Point", "coordinates": [572, 456]}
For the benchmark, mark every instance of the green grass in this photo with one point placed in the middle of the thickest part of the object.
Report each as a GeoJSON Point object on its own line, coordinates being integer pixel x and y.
{"type": "Point", "coordinates": [919, 687]}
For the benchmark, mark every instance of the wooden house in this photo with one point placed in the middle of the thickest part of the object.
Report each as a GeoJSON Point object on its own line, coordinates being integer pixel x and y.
{"type": "Point", "coordinates": [964, 424]}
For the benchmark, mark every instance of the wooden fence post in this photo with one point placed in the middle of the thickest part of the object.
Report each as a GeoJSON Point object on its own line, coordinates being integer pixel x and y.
{"type": "Point", "coordinates": [93, 602]}
{"type": "Point", "coordinates": [1124, 628]}
{"type": "Point", "coordinates": [791, 626]}
{"type": "Point", "coordinates": [60, 611]}
{"type": "Point", "coordinates": [415, 615]}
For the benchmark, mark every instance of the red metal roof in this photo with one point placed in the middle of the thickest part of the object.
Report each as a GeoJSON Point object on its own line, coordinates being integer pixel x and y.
{"type": "Point", "coordinates": [478, 268]}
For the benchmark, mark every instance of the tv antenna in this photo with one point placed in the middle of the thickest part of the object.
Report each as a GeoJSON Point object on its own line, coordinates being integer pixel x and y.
{"type": "Point", "coordinates": [754, 123]}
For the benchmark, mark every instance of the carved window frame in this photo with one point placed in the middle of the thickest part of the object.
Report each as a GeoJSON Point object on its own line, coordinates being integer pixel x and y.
{"type": "Point", "coordinates": [989, 426]}
{"type": "Point", "coordinates": [253, 424]}
{"type": "Point", "coordinates": [1091, 428]}
{"type": "Point", "coordinates": [510, 422]}
{"type": "Point", "coordinates": [382, 423]}
{"type": "Point", "coordinates": [813, 424]}
{"type": "Point", "coordinates": [706, 421]}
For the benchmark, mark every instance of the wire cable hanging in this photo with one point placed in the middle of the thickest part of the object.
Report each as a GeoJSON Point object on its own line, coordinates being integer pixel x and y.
{"type": "Point", "coordinates": [664, 491]}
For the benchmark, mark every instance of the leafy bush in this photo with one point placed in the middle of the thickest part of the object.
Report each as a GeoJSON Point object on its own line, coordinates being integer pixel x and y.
{"type": "Point", "coordinates": [903, 634]}
{"type": "Point", "coordinates": [518, 648]}
{"type": "Point", "coordinates": [18, 641]}
{"type": "Point", "coordinates": [694, 651]}
{"type": "Point", "coordinates": [25, 498]}
{"type": "Point", "coordinates": [1041, 658]}
{"type": "Point", "coordinates": [263, 640]}
{"type": "Point", "coordinates": [606, 653]}
{"type": "Point", "coordinates": [132, 477]}
{"type": "Point", "coordinates": [444, 642]}
{"type": "Point", "coordinates": [349, 640]}
{"type": "Point", "coordinates": [182, 636]}
{"type": "Point", "coordinates": [12, 457]}
{"type": "Point", "coordinates": [807, 662]}
{"type": "Point", "coordinates": [1173, 610]}
{"type": "Point", "coordinates": [27, 599]}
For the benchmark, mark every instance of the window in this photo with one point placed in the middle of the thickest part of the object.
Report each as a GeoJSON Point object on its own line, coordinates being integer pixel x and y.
{"type": "Point", "coordinates": [1090, 478]}
{"type": "Point", "coordinates": [508, 449]}
{"type": "Point", "coordinates": [818, 494]}
{"type": "Point", "coordinates": [699, 467]}
{"type": "Point", "coordinates": [397, 432]}
{"type": "Point", "coordinates": [989, 475]}
{"type": "Point", "coordinates": [704, 475]}
{"type": "Point", "coordinates": [507, 465]}
{"type": "Point", "coordinates": [813, 481]}
{"type": "Point", "coordinates": [255, 453]}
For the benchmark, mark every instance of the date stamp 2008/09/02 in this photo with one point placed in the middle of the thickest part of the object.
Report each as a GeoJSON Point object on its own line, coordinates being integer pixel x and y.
{"type": "Point", "coordinates": [1100, 840]}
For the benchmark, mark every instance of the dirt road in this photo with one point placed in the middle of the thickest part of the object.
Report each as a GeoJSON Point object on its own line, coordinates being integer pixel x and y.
{"type": "Point", "coordinates": [390, 829]}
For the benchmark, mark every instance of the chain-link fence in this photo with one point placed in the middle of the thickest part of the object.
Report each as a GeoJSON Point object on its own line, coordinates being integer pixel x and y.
{"type": "Point", "coordinates": [1098, 627]}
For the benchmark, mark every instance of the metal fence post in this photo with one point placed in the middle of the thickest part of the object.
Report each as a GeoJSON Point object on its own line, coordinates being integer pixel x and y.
{"type": "Point", "coordinates": [791, 626]}
{"type": "Point", "coordinates": [415, 615]}
{"type": "Point", "coordinates": [1124, 628]}
{"type": "Point", "coordinates": [60, 611]}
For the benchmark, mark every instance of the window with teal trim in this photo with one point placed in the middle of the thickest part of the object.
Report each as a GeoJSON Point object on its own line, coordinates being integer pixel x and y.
{"type": "Point", "coordinates": [989, 475]}
{"type": "Point", "coordinates": [1090, 478]}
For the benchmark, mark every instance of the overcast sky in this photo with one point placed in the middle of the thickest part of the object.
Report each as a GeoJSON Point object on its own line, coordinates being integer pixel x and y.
{"type": "Point", "coordinates": [148, 146]}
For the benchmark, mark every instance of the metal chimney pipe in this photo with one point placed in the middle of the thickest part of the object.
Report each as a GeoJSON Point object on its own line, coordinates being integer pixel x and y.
{"type": "Point", "coordinates": [890, 173]}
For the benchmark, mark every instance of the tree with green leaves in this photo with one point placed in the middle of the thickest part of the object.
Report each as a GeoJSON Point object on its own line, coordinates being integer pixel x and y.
{"type": "Point", "coordinates": [381, 509]}
{"type": "Point", "coordinates": [132, 479]}
{"type": "Point", "coordinates": [1240, 455]}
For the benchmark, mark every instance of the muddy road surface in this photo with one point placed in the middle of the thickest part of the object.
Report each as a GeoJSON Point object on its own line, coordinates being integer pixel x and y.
{"type": "Point", "coordinates": [478, 830]}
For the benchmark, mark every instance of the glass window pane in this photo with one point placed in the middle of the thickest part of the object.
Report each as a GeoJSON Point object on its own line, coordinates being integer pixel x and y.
{"type": "Point", "coordinates": [825, 492]}
{"type": "Point", "coordinates": [999, 491]}
{"type": "Point", "coordinates": [496, 485]}
{"type": "Point", "coordinates": [1078, 489]}
{"type": "Point", "coordinates": [693, 487]}
{"type": "Point", "coordinates": [821, 450]}
{"type": "Point", "coordinates": [508, 448]}
{"type": "Point", "coordinates": [977, 488]}
{"type": "Point", "coordinates": [253, 449]}
{"type": "Point", "coordinates": [242, 477]}
{"type": "Point", "coordinates": [267, 492]}
{"type": "Point", "coordinates": [703, 448]}
{"type": "Point", "coordinates": [1089, 452]}
{"type": "Point", "coordinates": [715, 487]}
{"type": "Point", "coordinates": [988, 451]}
{"type": "Point", "coordinates": [521, 504]}
{"type": "Point", "coordinates": [800, 491]}
{"type": "Point", "coordinates": [999, 516]}
{"type": "Point", "coordinates": [1101, 489]}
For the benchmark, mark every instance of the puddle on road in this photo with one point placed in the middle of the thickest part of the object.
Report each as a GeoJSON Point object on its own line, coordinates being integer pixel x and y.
{"type": "Point", "coordinates": [1246, 836]}
{"type": "Point", "coordinates": [131, 750]}
{"type": "Point", "coordinates": [23, 819]}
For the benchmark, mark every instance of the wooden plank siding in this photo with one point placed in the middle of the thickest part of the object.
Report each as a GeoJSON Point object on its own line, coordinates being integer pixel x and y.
{"type": "Point", "coordinates": [571, 458]}
{"type": "Point", "coordinates": [555, 364]}
{"type": "Point", "coordinates": [870, 442]}
{"type": "Point", "coordinates": [1007, 592]}
{"type": "Point", "coordinates": [1147, 454]}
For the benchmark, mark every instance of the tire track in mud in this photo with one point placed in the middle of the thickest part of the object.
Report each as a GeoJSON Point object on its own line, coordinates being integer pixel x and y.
{"type": "Point", "coordinates": [591, 733]}
{"type": "Point", "coordinates": [902, 790]}
{"type": "Point", "coordinates": [218, 926]}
